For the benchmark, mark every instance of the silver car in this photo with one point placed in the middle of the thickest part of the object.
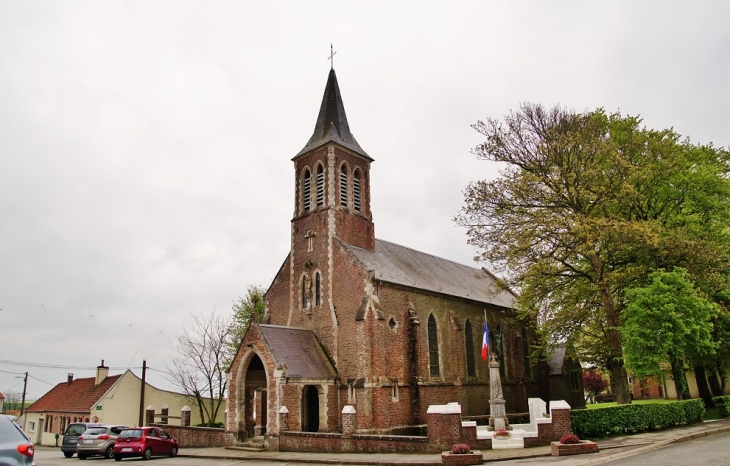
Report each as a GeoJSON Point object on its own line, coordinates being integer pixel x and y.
{"type": "Point", "coordinates": [98, 440]}
{"type": "Point", "coordinates": [15, 446]}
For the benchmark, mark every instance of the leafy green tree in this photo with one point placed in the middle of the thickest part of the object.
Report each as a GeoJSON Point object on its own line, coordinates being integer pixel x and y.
{"type": "Point", "coordinates": [587, 205]}
{"type": "Point", "coordinates": [667, 323]}
{"type": "Point", "coordinates": [244, 309]}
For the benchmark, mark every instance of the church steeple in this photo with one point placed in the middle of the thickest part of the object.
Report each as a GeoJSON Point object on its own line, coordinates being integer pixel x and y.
{"type": "Point", "coordinates": [332, 123]}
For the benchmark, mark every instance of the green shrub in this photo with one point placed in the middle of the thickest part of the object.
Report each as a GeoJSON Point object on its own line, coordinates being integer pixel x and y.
{"type": "Point", "coordinates": [723, 404]}
{"type": "Point", "coordinates": [635, 418]}
{"type": "Point", "coordinates": [215, 424]}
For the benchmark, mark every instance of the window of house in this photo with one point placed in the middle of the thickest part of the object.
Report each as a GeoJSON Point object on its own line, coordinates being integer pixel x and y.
{"type": "Point", "coordinates": [31, 426]}
{"type": "Point", "coordinates": [356, 190]}
{"type": "Point", "coordinates": [469, 342]}
{"type": "Point", "coordinates": [306, 190]}
{"type": "Point", "coordinates": [320, 185]}
{"type": "Point", "coordinates": [394, 394]}
{"type": "Point", "coordinates": [317, 289]}
{"type": "Point", "coordinates": [343, 186]}
{"type": "Point", "coordinates": [433, 347]}
{"type": "Point", "coordinates": [526, 354]}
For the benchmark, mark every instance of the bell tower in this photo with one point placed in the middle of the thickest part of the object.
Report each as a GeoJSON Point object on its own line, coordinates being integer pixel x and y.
{"type": "Point", "coordinates": [331, 206]}
{"type": "Point", "coordinates": [332, 178]}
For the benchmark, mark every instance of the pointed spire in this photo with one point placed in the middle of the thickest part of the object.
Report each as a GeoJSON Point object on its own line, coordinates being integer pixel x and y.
{"type": "Point", "coordinates": [332, 123]}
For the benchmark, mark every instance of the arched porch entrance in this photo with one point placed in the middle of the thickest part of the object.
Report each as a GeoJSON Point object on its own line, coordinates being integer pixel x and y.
{"type": "Point", "coordinates": [255, 400]}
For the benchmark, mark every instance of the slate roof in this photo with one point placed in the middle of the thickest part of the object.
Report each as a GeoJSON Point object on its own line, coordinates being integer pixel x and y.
{"type": "Point", "coordinates": [397, 264]}
{"type": "Point", "coordinates": [332, 123]}
{"type": "Point", "coordinates": [78, 396]}
{"type": "Point", "coordinates": [299, 350]}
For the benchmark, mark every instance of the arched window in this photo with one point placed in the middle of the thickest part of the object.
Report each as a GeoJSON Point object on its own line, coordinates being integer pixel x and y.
{"type": "Point", "coordinates": [320, 185]}
{"type": "Point", "coordinates": [306, 190]}
{"type": "Point", "coordinates": [343, 185]}
{"type": "Point", "coordinates": [356, 190]}
{"type": "Point", "coordinates": [433, 347]}
{"type": "Point", "coordinates": [317, 289]}
{"type": "Point", "coordinates": [469, 342]}
{"type": "Point", "coordinates": [525, 354]}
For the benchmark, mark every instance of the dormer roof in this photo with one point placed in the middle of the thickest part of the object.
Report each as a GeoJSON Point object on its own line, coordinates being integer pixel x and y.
{"type": "Point", "coordinates": [332, 123]}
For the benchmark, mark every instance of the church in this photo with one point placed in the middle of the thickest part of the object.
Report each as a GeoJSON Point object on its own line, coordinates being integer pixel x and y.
{"type": "Point", "coordinates": [359, 322]}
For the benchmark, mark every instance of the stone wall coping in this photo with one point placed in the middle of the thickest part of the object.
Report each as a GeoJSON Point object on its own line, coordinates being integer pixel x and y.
{"type": "Point", "coordinates": [468, 423]}
{"type": "Point", "coordinates": [283, 410]}
{"type": "Point", "coordinates": [559, 404]}
{"type": "Point", "coordinates": [349, 409]}
{"type": "Point", "coordinates": [451, 408]}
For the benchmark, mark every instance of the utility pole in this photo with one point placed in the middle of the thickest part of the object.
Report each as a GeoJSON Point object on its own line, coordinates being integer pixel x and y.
{"type": "Point", "coordinates": [141, 393]}
{"type": "Point", "coordinates": [25, 387]}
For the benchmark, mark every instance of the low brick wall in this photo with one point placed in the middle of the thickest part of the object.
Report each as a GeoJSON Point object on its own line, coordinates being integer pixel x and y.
{"type": "Point", "coordinates": [467, 459]}
{"type": "Point", "coordinates": [585, 446]}
{"type": "Point", "coordinates": [356, 443]}
{"type": "Point", "coordinates": [195, 437]}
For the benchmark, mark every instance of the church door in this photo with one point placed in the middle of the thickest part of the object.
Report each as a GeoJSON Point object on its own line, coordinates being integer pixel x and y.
{"type": "Point", "coordinates": [310, 409]}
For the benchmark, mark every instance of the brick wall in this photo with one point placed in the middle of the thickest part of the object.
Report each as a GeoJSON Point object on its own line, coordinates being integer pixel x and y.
{"type": "Point", "coordinates": [358, 443]}
{"type": "Point", "coordinates": [195, 437]}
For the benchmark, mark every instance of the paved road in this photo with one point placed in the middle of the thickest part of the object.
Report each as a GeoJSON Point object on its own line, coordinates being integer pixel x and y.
{"type": "Point", "coordinates": [54, 457]}
{"type": "Point", "coordinates": [711, 450]}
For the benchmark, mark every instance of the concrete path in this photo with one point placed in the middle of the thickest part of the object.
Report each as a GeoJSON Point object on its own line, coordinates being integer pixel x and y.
{"type": "Point", "coordinates": [610, 449]}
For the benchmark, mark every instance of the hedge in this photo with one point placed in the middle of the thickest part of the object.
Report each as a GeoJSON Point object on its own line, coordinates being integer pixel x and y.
{"type": "Point", "coordinates": [635, 418]}
{"type": "Point", "coordinates": [723, 404]}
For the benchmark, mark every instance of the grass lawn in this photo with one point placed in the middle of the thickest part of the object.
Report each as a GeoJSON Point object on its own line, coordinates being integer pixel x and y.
{"type": "Point", "coordinates": [710, 414]}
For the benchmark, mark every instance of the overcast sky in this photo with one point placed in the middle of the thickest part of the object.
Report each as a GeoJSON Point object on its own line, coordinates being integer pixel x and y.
{"type": "Point", "coordinates": [145, 147]}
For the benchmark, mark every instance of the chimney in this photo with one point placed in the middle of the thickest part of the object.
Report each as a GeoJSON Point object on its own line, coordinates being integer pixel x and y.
{"type": "Point", "coordinates": [70, 378]}
{"type": "Point", "coordinates": [101, 373]}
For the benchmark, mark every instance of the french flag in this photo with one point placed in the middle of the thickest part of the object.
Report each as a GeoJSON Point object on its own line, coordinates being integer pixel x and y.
{"type": "Point", "coordinates": [485, 342]}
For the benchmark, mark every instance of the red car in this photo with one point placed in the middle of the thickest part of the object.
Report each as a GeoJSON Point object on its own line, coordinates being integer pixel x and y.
{"type": "Point", "coordinates": [145, 442]}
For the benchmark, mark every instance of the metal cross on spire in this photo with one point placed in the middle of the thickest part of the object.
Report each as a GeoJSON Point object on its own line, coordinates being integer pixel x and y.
{"type": "Point", "coordinates": [332, 57]}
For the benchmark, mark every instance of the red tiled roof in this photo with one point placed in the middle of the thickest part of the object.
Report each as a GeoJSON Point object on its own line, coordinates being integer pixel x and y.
{"type": "Point", "coordinates": [2, 397]}
{"type": "Point", "coordinates": [78, 396]}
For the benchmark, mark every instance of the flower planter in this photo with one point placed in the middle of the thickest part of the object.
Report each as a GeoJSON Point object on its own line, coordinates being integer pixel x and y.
{"type": "Point", "coordinates": [456, 459]}
{"type": "Point", "coordinates": [564, 449]}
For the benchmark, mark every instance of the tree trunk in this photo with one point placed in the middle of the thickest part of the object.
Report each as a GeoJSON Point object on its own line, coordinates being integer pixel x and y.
{"type": "Point", "coordinates": [619, 382]}
{"type": "Point", "coordinates": [715, 386]}
{"type": "Point", "coordinates": [680, 380]}
{"type": "Point", "coordinates": [615, 363]}
{"type": "Point", "coordinates": [704, 389]}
